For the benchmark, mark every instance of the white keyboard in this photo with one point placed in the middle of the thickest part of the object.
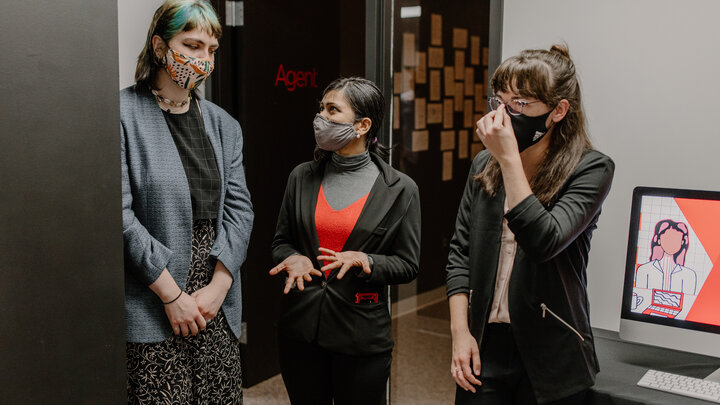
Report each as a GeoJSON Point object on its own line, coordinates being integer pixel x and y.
{"type": "Point", "coordinates": [681, 385]}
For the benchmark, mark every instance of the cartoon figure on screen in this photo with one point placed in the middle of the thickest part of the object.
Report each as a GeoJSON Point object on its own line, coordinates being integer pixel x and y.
{"type": "Point", "coordinates": [666, 270]}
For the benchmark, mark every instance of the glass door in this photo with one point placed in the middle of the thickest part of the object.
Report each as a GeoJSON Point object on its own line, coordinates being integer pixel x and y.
{"type": "Point", "coordinates": [275, 59]}
{"type": "Point", "coordinates": [440, 58]}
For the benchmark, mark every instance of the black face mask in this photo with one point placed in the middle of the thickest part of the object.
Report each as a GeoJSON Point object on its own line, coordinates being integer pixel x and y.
{"type": "Point", "coordinates": [528, 130]}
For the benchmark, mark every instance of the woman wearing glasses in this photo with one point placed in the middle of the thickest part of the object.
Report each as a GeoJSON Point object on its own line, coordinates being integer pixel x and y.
{"type": "Point", "coordinates": [516, 273]}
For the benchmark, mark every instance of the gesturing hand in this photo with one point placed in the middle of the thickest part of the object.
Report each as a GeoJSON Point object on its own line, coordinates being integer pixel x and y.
{"type": "Point", "coordinates": [344, 260]}
{"type": "Point", "coordinates": [299, 269]}
{"type": "Point", "coordinates": [466, 361]}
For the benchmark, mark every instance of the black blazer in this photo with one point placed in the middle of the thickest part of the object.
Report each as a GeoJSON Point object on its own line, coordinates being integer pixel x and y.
{"type": "Point", "coordinates": [388, 230]}
{"type": "Point", "coordinates": [547, 294]}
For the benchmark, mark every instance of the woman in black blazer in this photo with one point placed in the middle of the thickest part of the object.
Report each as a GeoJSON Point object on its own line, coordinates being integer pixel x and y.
{"type": "Point", "coordinates": [516, 273]}
{"type": "Point", "coordinates": [349, 225]}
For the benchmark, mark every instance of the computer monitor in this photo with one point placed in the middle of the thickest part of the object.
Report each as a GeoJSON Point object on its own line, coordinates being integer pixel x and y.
{"type": "Point", "coordinates": [671, 295]}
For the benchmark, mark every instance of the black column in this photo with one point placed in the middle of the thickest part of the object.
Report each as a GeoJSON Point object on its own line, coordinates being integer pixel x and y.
{"type": "Point", "coordinates": [62, 337]}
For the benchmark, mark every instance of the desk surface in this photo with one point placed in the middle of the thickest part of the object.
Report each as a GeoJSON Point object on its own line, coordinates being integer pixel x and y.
{"type": "Point", "coordinates": [622, 364]}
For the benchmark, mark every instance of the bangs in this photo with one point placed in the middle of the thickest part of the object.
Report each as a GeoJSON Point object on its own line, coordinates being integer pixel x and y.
{"type": "Point", "coordinates": [526, 77]}
{"type": "Point", "coordinates": [195, 15]}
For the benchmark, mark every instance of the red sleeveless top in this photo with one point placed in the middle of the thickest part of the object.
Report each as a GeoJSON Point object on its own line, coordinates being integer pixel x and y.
{"type": "Point", "coordinates": [334, 227]}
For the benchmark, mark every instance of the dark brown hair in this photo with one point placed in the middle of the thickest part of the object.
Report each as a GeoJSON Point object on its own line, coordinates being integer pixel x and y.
{"type": "Point", "coordinates": [550, 77]}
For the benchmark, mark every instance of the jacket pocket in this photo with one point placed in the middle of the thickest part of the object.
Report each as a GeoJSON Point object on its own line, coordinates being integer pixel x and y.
{"type": "Point", "coordinates": [546, 309]}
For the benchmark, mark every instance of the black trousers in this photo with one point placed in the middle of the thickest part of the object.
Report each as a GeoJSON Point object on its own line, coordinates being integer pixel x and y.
{"type": "Point", "coordinates": [316, 376]}
{"type": "Point", "coordinates": [503, 376]}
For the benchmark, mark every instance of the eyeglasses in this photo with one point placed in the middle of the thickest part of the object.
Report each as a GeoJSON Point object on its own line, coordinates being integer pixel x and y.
{"type": "Point", "coordinates": [513, 107]}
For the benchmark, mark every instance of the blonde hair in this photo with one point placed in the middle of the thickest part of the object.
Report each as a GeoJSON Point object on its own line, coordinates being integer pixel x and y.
{"type": "Point", "coordinates": [549, 76]}
{"type": "Point", "coordinates": [171, 18]}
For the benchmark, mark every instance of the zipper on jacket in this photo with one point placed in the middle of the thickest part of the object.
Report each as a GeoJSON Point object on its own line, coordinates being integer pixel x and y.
{"type": "Point", "coordinates": [470, 298]}
{"type": "Point", "coordinates": [545, 308]}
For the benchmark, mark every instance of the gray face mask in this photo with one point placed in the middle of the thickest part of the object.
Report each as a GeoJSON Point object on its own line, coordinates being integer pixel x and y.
{"type": "Point", "coordinates": [331, 135]}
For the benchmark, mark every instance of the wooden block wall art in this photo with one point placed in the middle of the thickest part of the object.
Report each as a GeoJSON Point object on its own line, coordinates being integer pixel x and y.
{"type": "Point", "coordinates": [474, 50]}
{"type": "Point", "coordinates": [449, 81]}
{"type": "Point", "coordinates": [408, 49]}
{"type": "Point", "coordinates": [447, 172]}
{"type": "Point", "coordinates": [434, 113]}
{"type": "Point", "coordinates": [459, 65]}
{"type": "Point", "coordinates": [435, 85]}
{"type": "Point", "coordinates": [463, 144]}
{"type": "Point", "coordinates": [421, 68]}
{"type": "Point", "coordinates": [448, 113]}
{"type": "Point", "coordinates": [436, 57]}
{"type": "Point", "coordinates": [460, 38]}
{"type": "Point", "coordinates": [447, 140]}
{"type": "Point", "coordinates": [468, 114]}
{"type": "Point", "coordinates": [458, 93]}
{"type": "Point", "coordinates": [436, 29]}
{"type": "Point", "coordinates": [396, 112]}
{"type": "Point", "coordinates": [469, 81]}
{"type": "Point", "coordinates": [420, 141]}
{"type": "Point", "coordinates": [420, 113]}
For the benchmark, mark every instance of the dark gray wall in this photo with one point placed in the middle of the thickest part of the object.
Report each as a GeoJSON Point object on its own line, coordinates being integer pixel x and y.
{"type": "Point", "coordinates": [62, 322]}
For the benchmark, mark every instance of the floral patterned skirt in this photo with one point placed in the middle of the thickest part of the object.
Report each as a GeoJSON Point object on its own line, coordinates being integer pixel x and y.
{"type": "Point", "coordinates": [202, 369]}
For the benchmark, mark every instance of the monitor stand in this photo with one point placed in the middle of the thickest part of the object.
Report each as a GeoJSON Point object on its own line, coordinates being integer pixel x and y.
{"type": "Point", "coordinates": [714, 377]}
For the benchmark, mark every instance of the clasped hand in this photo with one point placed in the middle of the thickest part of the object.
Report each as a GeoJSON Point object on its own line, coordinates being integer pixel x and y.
{"type": "Point", "coordinates": [190, 314]}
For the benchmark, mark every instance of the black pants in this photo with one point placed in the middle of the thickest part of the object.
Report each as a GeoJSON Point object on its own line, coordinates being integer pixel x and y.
{"type": "Point", "coordinates": [316, 376]}
{"type": "Point", "coordinates": [503, 376]}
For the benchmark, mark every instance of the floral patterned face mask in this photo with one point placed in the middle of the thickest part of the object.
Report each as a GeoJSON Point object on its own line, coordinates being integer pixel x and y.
{"type": "Point", "coordinates": [186, 71]}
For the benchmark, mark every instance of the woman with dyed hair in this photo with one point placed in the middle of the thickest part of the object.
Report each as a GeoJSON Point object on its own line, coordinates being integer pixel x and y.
{"type": "Point", "coordinates": [349, 225]}
{"type": "Point", "coordinates": [516, 273]}
{"type": "Point", "coordinates": [187, 218]}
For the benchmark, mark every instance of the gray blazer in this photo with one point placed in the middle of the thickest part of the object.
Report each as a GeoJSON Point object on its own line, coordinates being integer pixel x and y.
{"type": "Point", "coordinates": [157, 211]}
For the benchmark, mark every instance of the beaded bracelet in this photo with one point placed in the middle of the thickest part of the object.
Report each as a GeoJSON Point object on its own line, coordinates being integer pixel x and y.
{"type": "Point", "coordinates": [176, 298]}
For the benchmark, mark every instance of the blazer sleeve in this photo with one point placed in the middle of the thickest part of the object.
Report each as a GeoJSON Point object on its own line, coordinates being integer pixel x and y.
{"type": "Point", "coordinates": [283, 244]}
{"type": "Point", "coordinates": [237, 221]}
{"type": "Point", "coordinates": [401, 266]}
{"type": "Point", "coordinates": [543, 233]}
{"type": "Point", "coordinates": [458, 267]}
{"type": "Point", "coordinates": [144, 254]}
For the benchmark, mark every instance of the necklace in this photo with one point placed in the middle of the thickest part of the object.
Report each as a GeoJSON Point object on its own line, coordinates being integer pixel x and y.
{"type": "Point", "coordinates": [169, 102]}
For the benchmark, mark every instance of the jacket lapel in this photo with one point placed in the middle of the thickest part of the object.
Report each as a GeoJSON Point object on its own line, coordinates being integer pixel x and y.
{"type": "Point", "coordinates": [308, 201]}
{"type": "Point", "coordinates": [166, 157]}
{"type": "Point", "coordinates": [381, 199]}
